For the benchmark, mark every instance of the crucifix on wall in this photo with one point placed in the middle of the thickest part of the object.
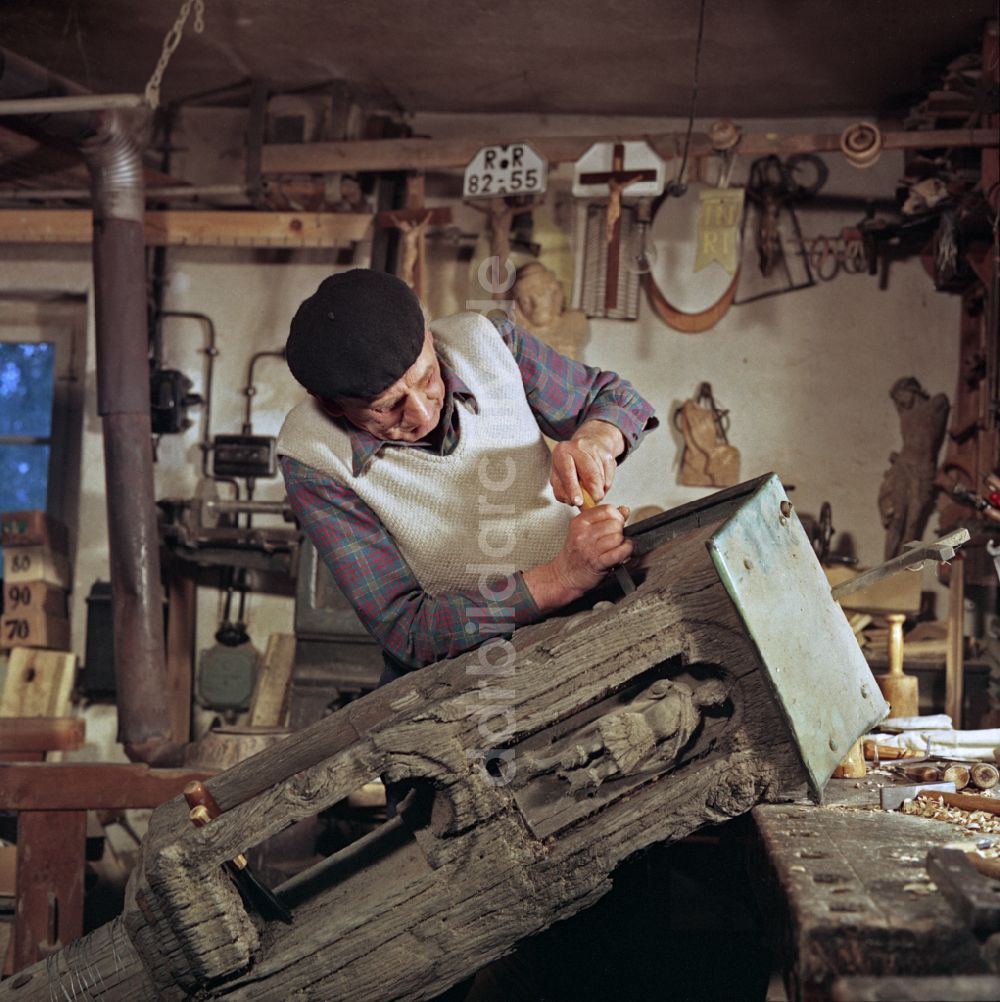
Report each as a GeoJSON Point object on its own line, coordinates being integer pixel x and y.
{"type": "Point", "coordinates": [412, 221]}
{"type": "Point", "coordinates": [501, 213]}
{"type": "Point", "coordinates": [608, 169]}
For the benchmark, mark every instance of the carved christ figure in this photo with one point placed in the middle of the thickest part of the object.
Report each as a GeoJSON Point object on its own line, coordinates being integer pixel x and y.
{"type": "Point", "coordinates": [410, 260]}
{"type": "Point", "coordinates": [907, 492]}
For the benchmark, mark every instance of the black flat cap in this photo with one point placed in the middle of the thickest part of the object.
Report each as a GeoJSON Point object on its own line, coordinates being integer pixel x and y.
{"type": "Point", "coordinates": [355, 335]}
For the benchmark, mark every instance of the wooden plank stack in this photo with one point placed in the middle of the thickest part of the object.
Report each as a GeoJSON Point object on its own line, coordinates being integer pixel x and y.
{"type": "Point", "coordinates": [36, 579]}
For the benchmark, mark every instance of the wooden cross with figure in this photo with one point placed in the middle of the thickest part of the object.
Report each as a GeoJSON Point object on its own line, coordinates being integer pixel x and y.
{"type": "Point", "coordinates": [501, 213]}
{"type": "Point", "coordinates": [412, 221]}
{"type": "Point", "coordinates": [645, 177]}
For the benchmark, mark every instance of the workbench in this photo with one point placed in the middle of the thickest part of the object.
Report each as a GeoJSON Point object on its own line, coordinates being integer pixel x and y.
{"type": "Point", "coordinates": [850, 909]}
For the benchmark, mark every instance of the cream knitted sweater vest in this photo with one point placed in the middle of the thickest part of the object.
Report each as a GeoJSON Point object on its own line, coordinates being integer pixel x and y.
{"type": "Point", "coordinates": [487, 508]}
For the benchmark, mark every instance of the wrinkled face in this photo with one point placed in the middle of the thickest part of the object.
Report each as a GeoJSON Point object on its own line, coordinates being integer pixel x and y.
{"type": "Point", "coordinates": [407, 411]}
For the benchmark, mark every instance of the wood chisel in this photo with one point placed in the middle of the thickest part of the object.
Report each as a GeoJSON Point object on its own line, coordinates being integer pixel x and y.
{"type": "Point", "coordinates": [622, 576]}
{"type": "Point", "coordinates": [204, 808]}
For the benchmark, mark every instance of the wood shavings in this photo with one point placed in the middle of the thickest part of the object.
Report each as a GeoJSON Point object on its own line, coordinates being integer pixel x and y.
{"type": "Point", "coordinates": [972, 821]}
{"type": "Point", "coordinates": [922, 887]}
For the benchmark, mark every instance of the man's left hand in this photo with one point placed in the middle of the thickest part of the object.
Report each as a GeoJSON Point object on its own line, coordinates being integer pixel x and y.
{"type": "Point", "coordinates": [588, 460]}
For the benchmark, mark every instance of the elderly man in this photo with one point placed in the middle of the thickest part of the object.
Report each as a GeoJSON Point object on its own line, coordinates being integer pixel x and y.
{"type": "Point", "coordinates": [417, 467]}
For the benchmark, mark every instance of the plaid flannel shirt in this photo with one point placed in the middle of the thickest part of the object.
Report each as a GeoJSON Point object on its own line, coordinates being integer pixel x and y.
{"type": "Point", "coordinates": [413, 627]}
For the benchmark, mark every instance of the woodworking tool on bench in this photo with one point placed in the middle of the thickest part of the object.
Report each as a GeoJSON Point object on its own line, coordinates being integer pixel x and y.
{"type": "Point", "coordinates": [203, 809]}
{"type": "Point", "coordinates": [912, 558]}
{"type": "Point", "coordinates": [891, 797]}
{"type": "Point", "coordinates": [622, 576]}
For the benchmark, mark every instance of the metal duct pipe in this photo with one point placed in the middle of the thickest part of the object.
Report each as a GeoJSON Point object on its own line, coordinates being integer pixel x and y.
{"type": "Point", "coordinates": [114, 160]}
{"type": "Point", "coordinates": [115, 164]}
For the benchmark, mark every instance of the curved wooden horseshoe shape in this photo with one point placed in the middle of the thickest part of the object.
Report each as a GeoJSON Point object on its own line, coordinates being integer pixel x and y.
{"type": "Point", "coordinates": [690, 323]}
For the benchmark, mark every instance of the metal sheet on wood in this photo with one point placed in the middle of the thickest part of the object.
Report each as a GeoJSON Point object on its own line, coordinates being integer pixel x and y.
{"type": "Point", "coordinates": [770, 570]}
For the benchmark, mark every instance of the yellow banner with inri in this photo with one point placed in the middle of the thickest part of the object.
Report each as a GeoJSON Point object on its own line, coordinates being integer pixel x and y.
{"type": "Point", "coordinates": [718, 227]}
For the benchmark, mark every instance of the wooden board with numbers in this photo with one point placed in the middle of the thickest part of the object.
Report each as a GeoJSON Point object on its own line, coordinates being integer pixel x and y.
{"type": "Point", "coordinates": [32, 628]}
{"type": "Point", "coordinates": [38, 683]}
{"type": "Point", "coordinates": [35, 563]}
{"type": "Point", "coordinates": [34, 615]}
{"type": "Point", "coordinates": [39, 597]}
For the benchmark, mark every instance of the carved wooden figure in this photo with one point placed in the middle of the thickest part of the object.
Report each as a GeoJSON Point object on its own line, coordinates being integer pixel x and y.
{"type": "Point", "coordinates": [538, 764]}
{"type": "Point", "coordinates": [412, 221]}
{"type": "Point", "coordinates": [617, 179]}
{"type": "Point", "coordinates": [538, 308]}
{"type": "Point", "coordinates": [906, 496]}
{"type": "Point", "coordinates": [708, 459]}
{"type": "Point", "coordinates": [501, 213]}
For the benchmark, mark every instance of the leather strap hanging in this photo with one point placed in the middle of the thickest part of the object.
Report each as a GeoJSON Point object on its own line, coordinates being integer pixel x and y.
{"type": "Point", "coordinates": [690, 323]}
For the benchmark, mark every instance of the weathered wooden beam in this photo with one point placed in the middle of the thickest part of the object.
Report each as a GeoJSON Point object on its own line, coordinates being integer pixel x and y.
{"type": "Point", "coordinates": [40, 734]}
{"type": "Point", "coordinates": [729, 678]}
{"type": "Point", "coordinates": [50, 865]}
{"type": "Point", "coordinates": [82, 786]}
{"type": "Point", "coordinates": [208, 228]}
{"type": "Point", "coordinates": [835, 889]}
{"type": "Point", "coordinates": [436, 154]}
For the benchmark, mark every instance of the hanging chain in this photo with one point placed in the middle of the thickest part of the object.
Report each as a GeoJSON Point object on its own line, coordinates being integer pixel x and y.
{"type": "Point", "coordinates": [170, 42]}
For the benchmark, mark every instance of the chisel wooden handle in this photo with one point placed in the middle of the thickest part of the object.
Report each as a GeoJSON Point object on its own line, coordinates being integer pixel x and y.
{"type": "Point", "coordinates": [204, 808]}
{"type": "Point", "coordinates": [888, 752]}
{"type": "Point", "coordinates": [622, 576]}
{"type": "Point", "coordinates": [965, 801]}
{"type": "Point", "coordinates": [197, 794]}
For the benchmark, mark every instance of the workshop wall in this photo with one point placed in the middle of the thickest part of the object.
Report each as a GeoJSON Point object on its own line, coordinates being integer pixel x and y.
{"type": "Point", "coordinates": [805, 375]}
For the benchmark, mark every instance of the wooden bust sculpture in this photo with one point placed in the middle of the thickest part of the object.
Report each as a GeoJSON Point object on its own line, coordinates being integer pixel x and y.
{"type": "Point", "coordinates": [538, 308]}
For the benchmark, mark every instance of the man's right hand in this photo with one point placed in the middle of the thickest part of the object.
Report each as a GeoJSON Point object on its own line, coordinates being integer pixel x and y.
{"type": "Point", "coordinates": [594, 543]}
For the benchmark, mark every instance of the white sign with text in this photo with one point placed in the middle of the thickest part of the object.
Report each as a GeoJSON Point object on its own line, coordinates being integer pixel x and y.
{"type": "Point", "coordinates": [513, 169]}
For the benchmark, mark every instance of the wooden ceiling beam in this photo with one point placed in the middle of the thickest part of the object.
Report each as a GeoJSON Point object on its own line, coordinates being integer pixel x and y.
{"type": "Point", "coordinates": [433, 154]}
{"type": "Point", "coordinates": [34, 162]}
{"type": "Point", "coordinates": [194, 228]}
